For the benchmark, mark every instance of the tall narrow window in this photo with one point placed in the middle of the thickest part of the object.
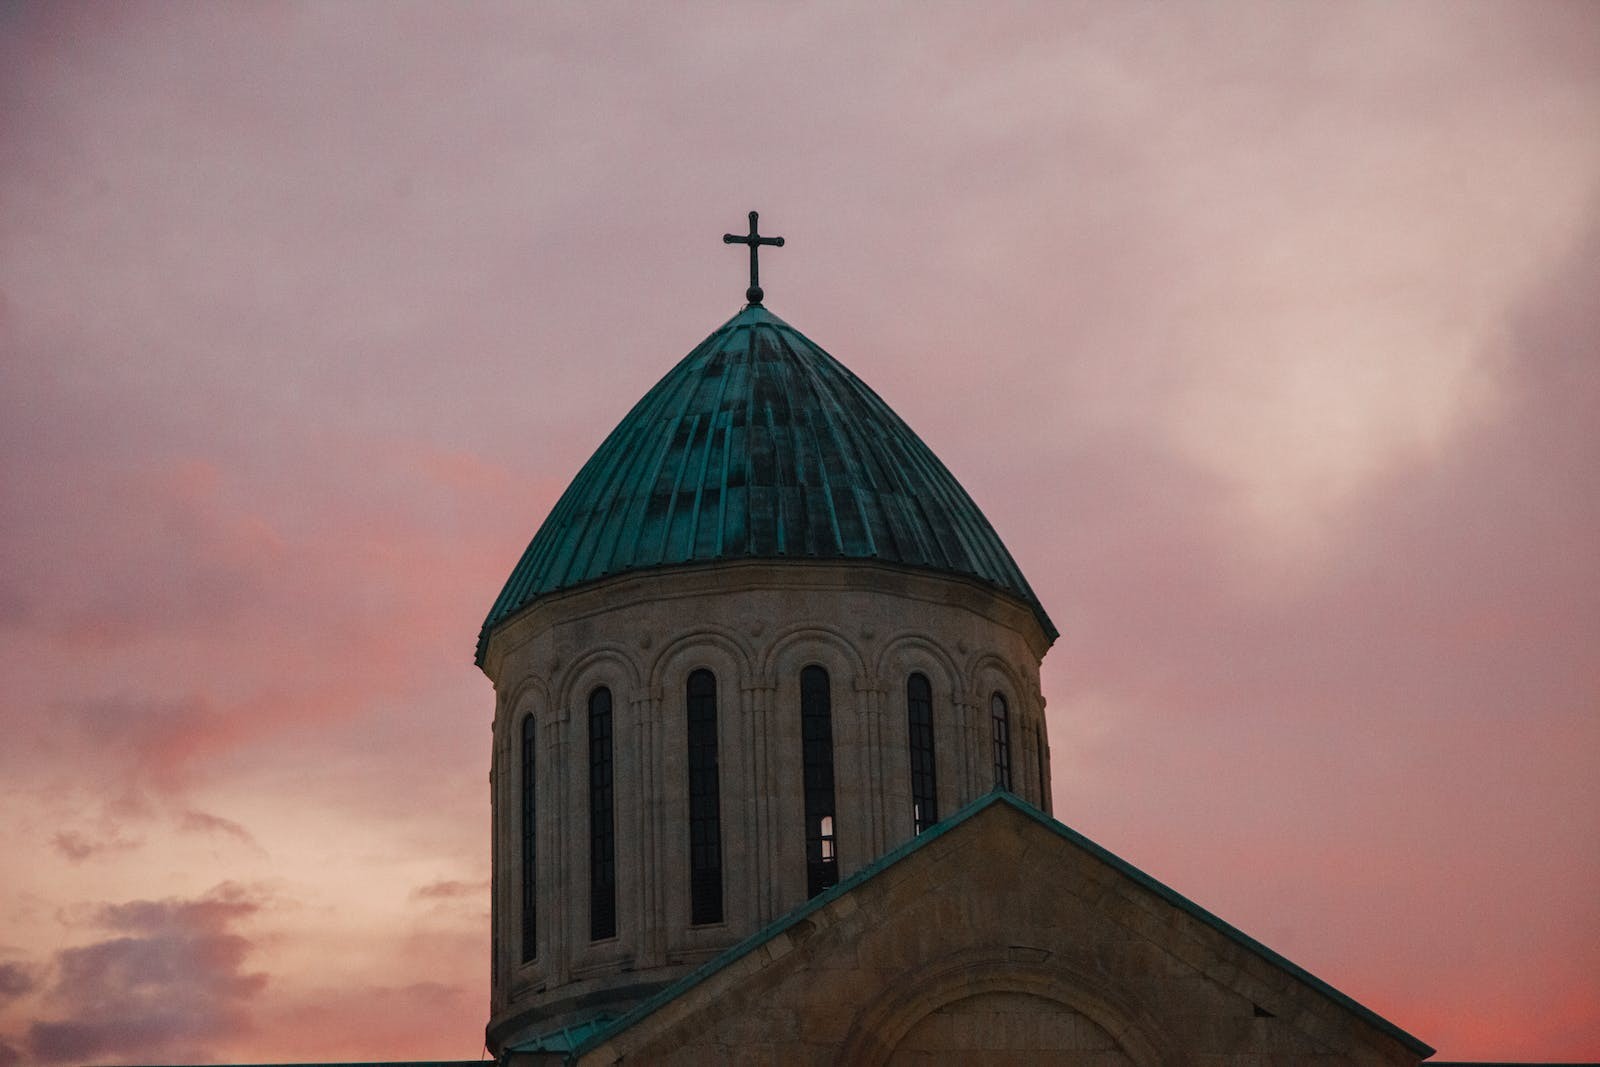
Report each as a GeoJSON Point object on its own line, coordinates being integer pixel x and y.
{"type": "Point", "coordinates": [1000, 717]}
{"type": "Point", "coordinates": [1044, 780]}
{"type": "Point", "coordinates": [530, 916]}
{"type": "Point", "coordinates": [602, 821]}
{"type": "Point", "coordinates": [705, 817]}
{"type": "Point", "coordinates": [924, 788]}
{"type": "Point", "coordinates": [816, 734]}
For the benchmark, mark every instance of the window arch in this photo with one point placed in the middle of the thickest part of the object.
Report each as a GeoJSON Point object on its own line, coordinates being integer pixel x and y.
{"type": "Point", "coordinates": [816, 736]}
{"type": "Point", "coordinates": [705, 817]}
{"type": "Point", "coordinates": [1000, 720]}
{"type": "Point", "coordinates": [602, 820]}
{"type": "Point", "coordinates": [924, 785]}
{"type": "Point", "coordinates": [530, 913]}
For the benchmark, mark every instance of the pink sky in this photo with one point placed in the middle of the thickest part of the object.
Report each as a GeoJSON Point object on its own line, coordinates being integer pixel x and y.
{"type": "Point", "coordinates": [1266, 336]}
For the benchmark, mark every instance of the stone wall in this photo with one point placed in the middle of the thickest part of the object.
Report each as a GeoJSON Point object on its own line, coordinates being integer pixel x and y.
{"type": "Point", "coordinates": [1003, 940]}
{"type": "Point", "coordinates": [755, 626]}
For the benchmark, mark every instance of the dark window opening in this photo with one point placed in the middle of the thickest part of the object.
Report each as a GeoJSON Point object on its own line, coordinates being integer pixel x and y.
{"type": "Point", "coordinates": [705, 818]}
{"type": "Point", "coordinates": [1001, 718]}
{"type": "Point", "coordinates": [816, 733]}
{"type": "Point", "coordinates": [1044, 775]}
{"type": "Point", "coordinates": [530, 918]}
{"type": "Point", "coordinates": [924, 787]}
{"type": "Point", "coordinates": [602, 820]}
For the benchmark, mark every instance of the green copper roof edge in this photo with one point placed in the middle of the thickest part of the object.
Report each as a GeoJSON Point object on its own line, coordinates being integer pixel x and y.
{"type": "Point", "coordinates": [565, 1038]}
{"type": "Point", "coordinates": [743, 948]}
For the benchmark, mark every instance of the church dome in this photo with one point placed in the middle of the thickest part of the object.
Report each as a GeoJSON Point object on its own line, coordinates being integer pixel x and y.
{"type": "Point", "coordinates": [759, 445]}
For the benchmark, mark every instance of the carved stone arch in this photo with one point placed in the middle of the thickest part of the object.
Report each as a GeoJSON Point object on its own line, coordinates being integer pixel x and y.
{"type": "Point", "coordinates": [727, 643]}
{"type": "Point", "coordinates": [530, 693]}
{"type": "Point", "coordinates": [609, 664]}
{"type": "Point", "coordinates": [530, 698]}
{"type": "Point", "coordinates": [854, 762]}
{"type": "Point", "coordinates": [729, 659]}
{"type": "Point", "coordinates": [528, 684]}
{"type": "Point", "coordinates": [904, 654]}
{"type": "Point", "coordinates": [786, 639]}
{"type": "Point", "coordinates": [878, 1028]}
{"type": "Point", "coordinates": [1016, 690]}
{"type": "Point", "coordinates": [925, 655]}
{"type": "Point", "coordinates": [991, 674]}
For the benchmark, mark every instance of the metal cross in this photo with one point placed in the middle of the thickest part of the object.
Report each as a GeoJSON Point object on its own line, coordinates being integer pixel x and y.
{"type": "Point", "coordinates": [755, 241]}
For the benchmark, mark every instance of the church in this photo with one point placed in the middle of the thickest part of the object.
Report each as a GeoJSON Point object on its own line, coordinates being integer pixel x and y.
{"type": "Point", "coordinates": [771, 771]}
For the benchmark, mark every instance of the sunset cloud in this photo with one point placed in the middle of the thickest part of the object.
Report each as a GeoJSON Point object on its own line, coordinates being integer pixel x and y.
{"type": "Point", "coordinates": [77, 847]}
{"type": "Point", "coordinates": [451, 890]}
{"type": "Point", "coordinates": [168, 984]}
{"type": "Point", "coordinates": [16, 980]}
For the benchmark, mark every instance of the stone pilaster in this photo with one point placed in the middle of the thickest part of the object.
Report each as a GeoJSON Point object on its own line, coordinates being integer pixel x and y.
{"type": "Point", "coordinates": [555, 921]}
{"type": "Point", "coordinates": [756, 708]}
{"type": "Point", "coordinates": [651, 906]}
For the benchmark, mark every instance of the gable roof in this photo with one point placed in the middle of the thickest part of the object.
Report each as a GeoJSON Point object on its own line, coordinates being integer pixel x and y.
{"type": "Point", "coordinates": [759, 445]}
{"type": "Point", "coordinates": [611, 1029]}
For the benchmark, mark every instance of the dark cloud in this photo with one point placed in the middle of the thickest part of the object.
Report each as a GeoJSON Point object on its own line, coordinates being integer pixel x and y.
{"type": "Point", "coordinates": [169, 986]}
{"type": "Point", "coordinates": [16, 979]}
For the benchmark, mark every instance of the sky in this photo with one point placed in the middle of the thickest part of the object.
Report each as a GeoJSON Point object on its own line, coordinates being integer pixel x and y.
{"type": "Point", "coordinates": [1266, 336]}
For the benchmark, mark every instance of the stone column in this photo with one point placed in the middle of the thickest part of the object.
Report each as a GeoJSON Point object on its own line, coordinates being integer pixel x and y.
{"type": "Point", "coordinates": [972, 745]}
{"type": "Point", "coordinates": [756, 711]}
{"type": "Point", "coordinates": [556, 904]}
{"type": "Point", "coordinates": [872, 700]}
{"type": "Point", "coordinates": [651, 907]}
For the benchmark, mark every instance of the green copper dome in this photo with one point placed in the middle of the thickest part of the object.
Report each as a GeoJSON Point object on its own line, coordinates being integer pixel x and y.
{"type": "Point", "coordinates": [759, 445]}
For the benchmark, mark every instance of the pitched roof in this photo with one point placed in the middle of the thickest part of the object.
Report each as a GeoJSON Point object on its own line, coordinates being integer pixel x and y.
{"type": "Point", "coordinates": [759, 445]}
{"type": "Point", "coordinates": [611, 1029]}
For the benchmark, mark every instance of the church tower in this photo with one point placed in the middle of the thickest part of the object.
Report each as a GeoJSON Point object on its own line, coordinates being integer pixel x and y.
{"type": "Point", "coordinates": [763, 638]}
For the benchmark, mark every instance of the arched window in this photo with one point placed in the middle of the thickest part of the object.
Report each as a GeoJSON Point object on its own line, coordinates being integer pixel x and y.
{"type": "Point", "coordinates": [924, 787]}
{"type": "Point", "coordinates": [1000, 717]}
{"type": "Point", "coordinates": [1044, 779]}
{"type": "Point", "coordinates": [816, 735]}
{"type": "Point", "coordinates": [530, 916]}
{"type": "Point", "coordinates": [705, 817]}
{"type": "Point", "coordinates": [602, 820]}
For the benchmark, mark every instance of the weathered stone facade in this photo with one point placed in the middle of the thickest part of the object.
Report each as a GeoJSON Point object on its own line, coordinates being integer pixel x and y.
{"type": "Point", "coordinates": [754, 625]}
{"type": "Point", "coordinates": [1004, 938]}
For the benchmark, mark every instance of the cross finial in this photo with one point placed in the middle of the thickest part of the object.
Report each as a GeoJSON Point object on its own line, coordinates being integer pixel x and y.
{"type": "Point", "coordinates": [755, 241]}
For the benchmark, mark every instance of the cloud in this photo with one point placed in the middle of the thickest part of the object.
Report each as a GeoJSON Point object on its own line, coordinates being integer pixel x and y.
{"type": "Point", "coordinates": [153, 745]}
{"type": "Point", "coordinates": [1432, 660]}
{"type": "Point", "coordinates": [170, 983]}
{"type": "Point", "coordinates": [200, 822]}
{"type": "Point", "coordinates": [449, 890]}
{"type": "Point", "coordinates": [16, 980]}
{"type": "Point", "coordinates": [77, 847]}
